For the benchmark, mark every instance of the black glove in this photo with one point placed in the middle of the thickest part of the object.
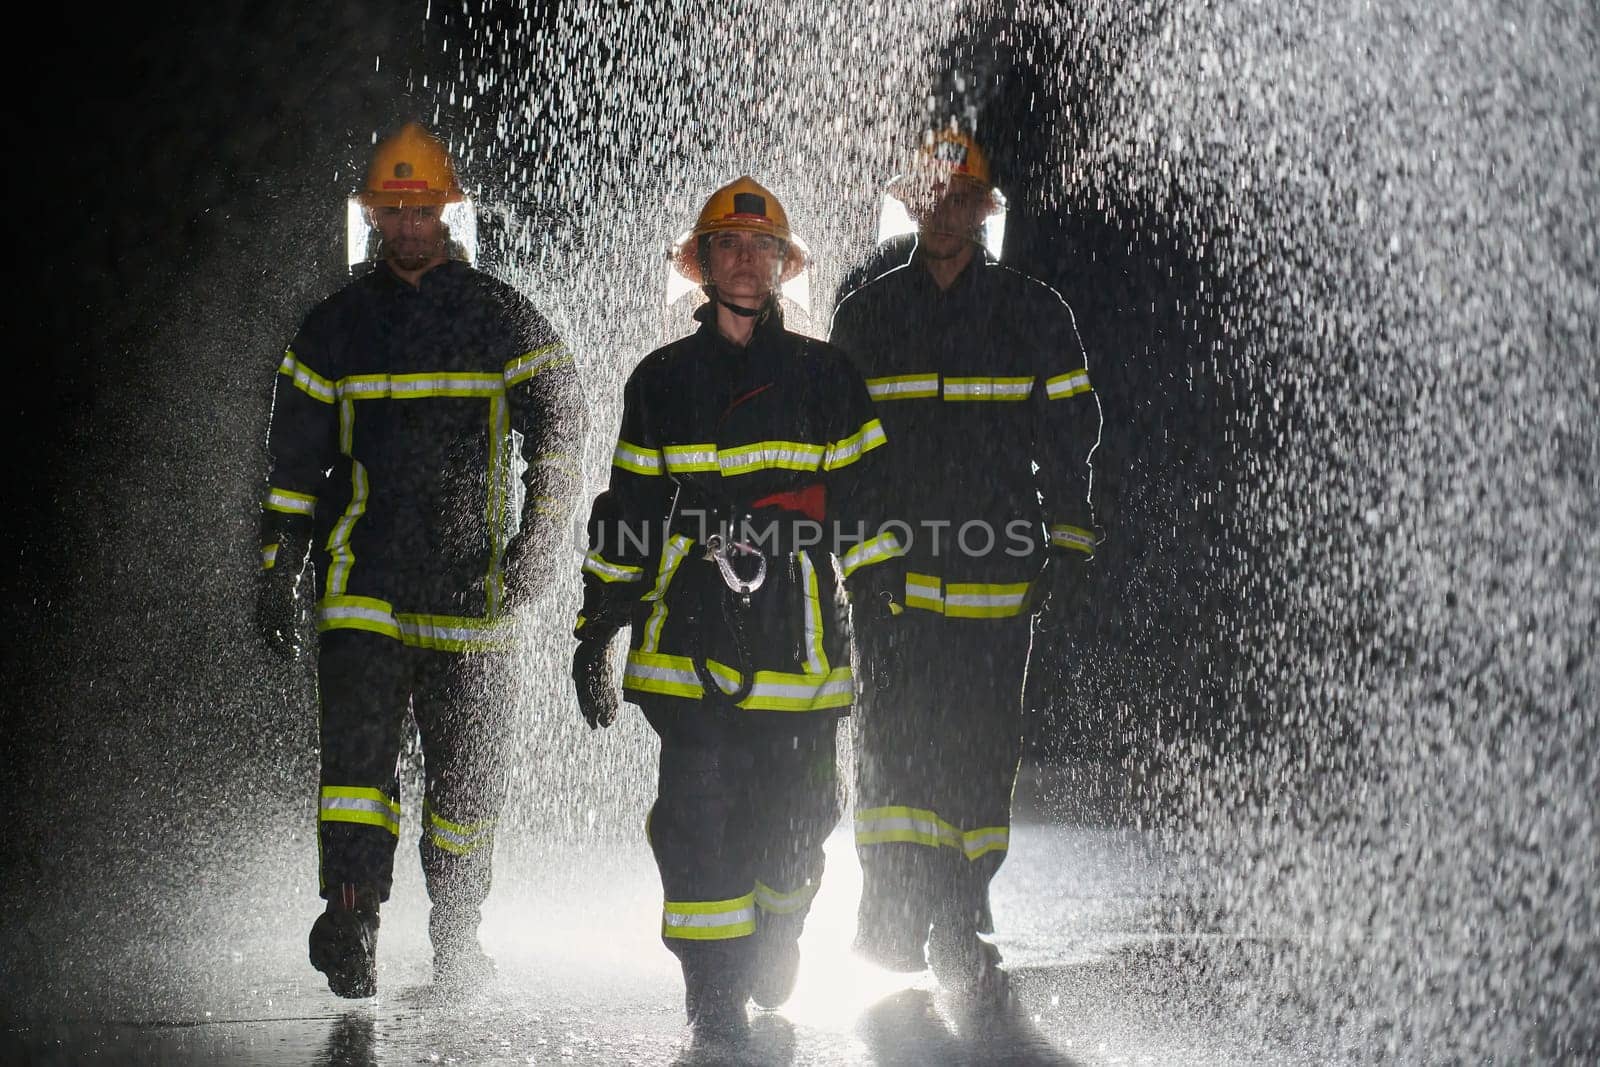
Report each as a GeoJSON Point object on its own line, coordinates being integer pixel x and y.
{"type": "Point", "coordinates": [280, 612]}
{"type": "Point", "coordinates": [592, 674]}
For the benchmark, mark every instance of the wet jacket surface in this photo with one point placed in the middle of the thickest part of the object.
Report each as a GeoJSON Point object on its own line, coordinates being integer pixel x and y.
{"type": "Point", "coordinates": [420, 436]}
{"type": "Point", "coordinates": [977, 385]}
{"type": "Point", "coordinates": [779, 441]}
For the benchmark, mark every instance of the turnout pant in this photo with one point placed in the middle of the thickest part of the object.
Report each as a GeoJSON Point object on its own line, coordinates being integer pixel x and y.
{"type": "Point", "coordinates": [368, 686]}
{"type": "Point", "coordinates": [938, 739]}
{"type": "Point", "coordinates": [744, 803]}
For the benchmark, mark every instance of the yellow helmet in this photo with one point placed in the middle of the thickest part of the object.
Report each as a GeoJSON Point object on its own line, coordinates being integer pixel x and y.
{"type": "Point", "coordinates": [742, 204]}
{"type": "Point", "coordinates": [408, 168]}
{"type": "Point", "coordinates": [943, 155]}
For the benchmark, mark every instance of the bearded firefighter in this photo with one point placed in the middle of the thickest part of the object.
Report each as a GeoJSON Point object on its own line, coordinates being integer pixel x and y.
{"type": "Point", "coordinates": [424, 454]}
{"type": "Point", "coordinates": [736, 531]}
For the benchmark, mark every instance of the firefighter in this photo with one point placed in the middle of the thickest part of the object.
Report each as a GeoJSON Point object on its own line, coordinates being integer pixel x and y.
{"type": "Point", "coordinates": [735, 526]}
{"type": "Point", "coordinates": [424, 450]}
{"type": "Point", "coordinates": [980, 380]}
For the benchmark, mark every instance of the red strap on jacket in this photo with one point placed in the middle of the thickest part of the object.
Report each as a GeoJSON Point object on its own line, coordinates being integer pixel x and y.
{"type": "Point", "coordinates": [812, 501]}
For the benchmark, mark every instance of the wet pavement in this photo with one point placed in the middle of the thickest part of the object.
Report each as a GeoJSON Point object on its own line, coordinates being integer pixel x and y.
{"type": "Point", "coordinates": [1100, 973]}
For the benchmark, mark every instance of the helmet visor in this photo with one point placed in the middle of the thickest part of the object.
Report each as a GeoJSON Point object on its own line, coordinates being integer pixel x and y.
{"type": "Point", "coordinates": [363, 242]}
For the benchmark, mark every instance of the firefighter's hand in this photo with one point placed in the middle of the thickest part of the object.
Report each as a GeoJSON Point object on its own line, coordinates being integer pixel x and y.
{"type": "Point", "coordinates": [279, 615]}
{"type": "Point", "coordinates": [591, 675]}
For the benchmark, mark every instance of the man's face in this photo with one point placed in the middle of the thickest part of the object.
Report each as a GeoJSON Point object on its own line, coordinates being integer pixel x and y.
{"type": "Point", "coordinates": [744, 265]}
{"type": "Point", "coordinates": [949, 214]}
{"type": "Point", "coordinates": [413, 236]}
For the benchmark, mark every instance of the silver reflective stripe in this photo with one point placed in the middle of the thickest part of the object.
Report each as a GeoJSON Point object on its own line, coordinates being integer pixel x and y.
{"type": "Point", "coordinates": [811, 604]}
{"type": "Point", "coordinates": [985, 600]}
{"type": "Point", "coordinates": [903, 387]}
{"type": "Point", "coordinates": [637, 459]}
{"type": "Point", "coordinates": [988, 388]}
{"type": "Point", "coordinates": [432, 631]}
{"type": "Point", "coordinates": [776, 903]}
{"type": "Point", "coordinates": [884, 546]}
{"type": "Point", "coordinates": [709, 920]}
{"type": "Point", "coordinates": [1072, 537]}
{"type": "Point", "coordinates": [339, 541]}
{"type": "Point", "coordinates": [1069, 384]}
{"type": "Point", "coordinates": [789, 455]}
{"type": "Point", "coordinates": [976, 842]}
{"type": "Point", "coordinates": [690, 457]}
{"type": "Point", "coordinates": [355, 611]}
{"type": "Point", "coordinates": [601, 567]}
{"type": "Point", "coordinates": [530, 364]}
{"type": "Point", "coordinates": [847, 451]}
{"type": "Point", "coordinates": [292, 503]}
{"type": "Point", "coordinates": [309, 381]}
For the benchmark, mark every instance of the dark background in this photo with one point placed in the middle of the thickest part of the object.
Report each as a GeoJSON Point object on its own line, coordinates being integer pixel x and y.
{"type": "Point", "coordinates": [212, 149]}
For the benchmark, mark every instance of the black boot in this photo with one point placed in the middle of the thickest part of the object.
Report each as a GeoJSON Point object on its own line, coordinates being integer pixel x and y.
{"type": "Point", "coordinates": [715, 993]}
{"type": "Point", "coordinates": [965, 963]}
{"type": "Point", "coordinates": [892, 935]}
{"type": "Point", "coordinates": [344, 941]}
{"type": "Point", "coordinates": [459, 962]}
{"type": "Point", "coordinates": [777, 967]}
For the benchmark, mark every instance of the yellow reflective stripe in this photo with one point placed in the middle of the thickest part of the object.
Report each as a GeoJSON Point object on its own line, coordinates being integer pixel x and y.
{"type": "Point", "coordinates": [539, 360]}
{"type": "Point", "coordinates": [359, 804]}
{"type": "Point", "coordinates": [845, 452]}
{"type": "Point", "coordinates": [454, 633]}
{"type": "Point", "coordinates": [421, 386]}
{"type": "Point", "coordinates": [967, 600]}
{"type": "Point", "coordinates": [709, 920]}
{"type": "Point", "coordinates": [975, 600]}
{"type": "Point", "coordinates": [289, 502]}
{"type": "Point", "coordinates": [903, 386]}
{"type": "Point", "coordinates": [305, 379]}
{"type": "Point", "coordinates": [446, 633]}
{"type": "Point", "coordinates": [918, 826]}
{"type": "Point", "coordinates": [687, 458]}
{"type": "Point", "coordinates": [672, 554]}
{"type": "Point", "coordinates": [654, 672]}
{"type": "Point", "coordinates": [1073, 537]}
{"type": "Point", "coordinates": [915, 826]}
{"type": "Point", "coordinates": [596, 564]}
{"type": "Point", "coordinates": [269, 557]}
{"type": "Point", "coordinates": [341, 555]}
{"type": "Point", "coordinates": [1069, 384]}
{"type": "Point", "coordinates": [1016, 388]}
{"type": "Point", "coordinates": [923, 591]}
{"type": "Point", "coordinates": [457, 838]}
{"type": "Point", "coordinates": [775, 902]}
{"type": "Point", "coordinates": [816, 656]}
{"type": "Point", "coordinates": [636, 458]}
{"type": "Point", "coordinates": [885, 546]}
{"type": "Point", "coordinates": [769, 455]}
{"type": "Point", "coordinates": [357, 613]}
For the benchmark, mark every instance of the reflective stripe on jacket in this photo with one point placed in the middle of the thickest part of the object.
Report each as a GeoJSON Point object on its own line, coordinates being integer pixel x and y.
{"type": "Point", "coordinates": [416, 433]}
{"type": "Point", "coordinates": [984, 388]}
{"type": "Point", "coordinates": [780, 438]}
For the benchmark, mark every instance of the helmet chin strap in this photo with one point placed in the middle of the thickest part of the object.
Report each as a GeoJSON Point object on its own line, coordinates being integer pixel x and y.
{"type": "Point", "coordinates": [743, 312]}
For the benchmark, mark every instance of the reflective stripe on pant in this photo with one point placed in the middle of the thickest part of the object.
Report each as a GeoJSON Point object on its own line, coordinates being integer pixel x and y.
{"type": "Point", "coordinates": [744, 803]}
{"type": "Point", "coordinates": [369, 687]}
{"type": "Point", "coordinates": [936, 759]}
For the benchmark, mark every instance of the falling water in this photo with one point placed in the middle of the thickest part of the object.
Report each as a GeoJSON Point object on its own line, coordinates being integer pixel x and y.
{"type": "Point", "coordinates": [1378, 492]}
{"type": "Point", "coordinates": [1392, 210]}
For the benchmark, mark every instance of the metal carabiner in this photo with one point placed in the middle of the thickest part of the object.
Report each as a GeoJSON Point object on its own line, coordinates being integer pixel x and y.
{"type": "Point", "coordinates": [721, 553]}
